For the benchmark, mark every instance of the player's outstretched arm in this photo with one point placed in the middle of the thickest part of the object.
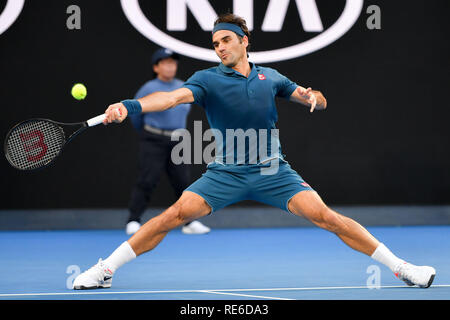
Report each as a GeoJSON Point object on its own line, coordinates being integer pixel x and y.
{"type": "Point", "coordinates": [160, 101]}
{"type": "Point", "coordinates": [157, 101]}
{"type": "Point", "coordinates": [308, 97]}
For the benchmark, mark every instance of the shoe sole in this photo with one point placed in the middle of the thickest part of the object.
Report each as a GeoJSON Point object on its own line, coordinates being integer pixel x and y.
{"type": "Point", "coordinates": [429, 281]}
{"type": "Point", "coordinates": [195, 233]}
{"type": "Point", "coordinates": [90, 288]}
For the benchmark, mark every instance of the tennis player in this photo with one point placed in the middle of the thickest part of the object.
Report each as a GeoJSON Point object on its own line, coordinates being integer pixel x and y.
{"type": "Point", "coordinates": [239, 95]}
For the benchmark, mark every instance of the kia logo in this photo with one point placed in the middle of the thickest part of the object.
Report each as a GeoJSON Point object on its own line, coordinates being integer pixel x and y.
{"type": "Point", "coordinates": [205, 15]}
{"type": "Point", "coordinates": [10, 14]}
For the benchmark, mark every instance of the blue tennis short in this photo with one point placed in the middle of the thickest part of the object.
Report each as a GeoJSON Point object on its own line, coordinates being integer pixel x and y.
{"type": "Point", "coordinates": [222, 185]}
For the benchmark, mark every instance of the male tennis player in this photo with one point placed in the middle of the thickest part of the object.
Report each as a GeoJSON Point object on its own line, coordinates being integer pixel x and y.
{"type": "Point", "coordinates": [240, 95]}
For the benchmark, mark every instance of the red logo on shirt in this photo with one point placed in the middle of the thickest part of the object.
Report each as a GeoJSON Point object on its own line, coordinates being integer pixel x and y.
{"type": "Point", "coordinates": [305, 185]}
{"type": "Point", "coordinates": [261, 77]}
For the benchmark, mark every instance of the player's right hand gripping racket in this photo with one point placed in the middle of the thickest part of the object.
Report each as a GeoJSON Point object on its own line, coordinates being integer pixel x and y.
{"type": "Point", "coordinates": [35, 143]}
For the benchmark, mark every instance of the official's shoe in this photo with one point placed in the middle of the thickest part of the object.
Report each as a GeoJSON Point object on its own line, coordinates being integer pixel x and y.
{"type": "Point", "coordinates": [132, 227]}
{"type": "Point", "coordinates": [99, 276]}
{"type": "Point", "coordinates": [195, 227]}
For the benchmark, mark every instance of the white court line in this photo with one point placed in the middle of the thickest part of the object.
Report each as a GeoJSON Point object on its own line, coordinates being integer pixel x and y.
{"type": "Point", "coordinates": [89, 292]}
{"type": "Point", "coordinates": [100, 291]}
{"type": "Point", "coordinates": [325, 288]}
{"type": "Point", "coordinates": [245, 295]}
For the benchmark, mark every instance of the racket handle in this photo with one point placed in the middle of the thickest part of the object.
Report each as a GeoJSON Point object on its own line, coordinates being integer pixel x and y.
{"type": "Point", "coordinates": [99, 119]}
{"type": "Point", "coordinates": [96, 120]}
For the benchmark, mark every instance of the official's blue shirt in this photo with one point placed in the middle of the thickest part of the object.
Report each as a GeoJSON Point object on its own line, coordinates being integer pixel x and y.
{"type": "Point", "coordinates": [171, 119]}
{"type": "Point", "coordinates": [245, 105]}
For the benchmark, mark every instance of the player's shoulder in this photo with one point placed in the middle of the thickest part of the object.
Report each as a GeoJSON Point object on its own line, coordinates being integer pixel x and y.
{"type": "Point", "coordinates": [267, 70]}
{"type": "Point", "coordinates": [208, 71]}
{"type": "Point", "coordinates": [204, 74]}
{"type": "Point", "coordinates": [271, 74]}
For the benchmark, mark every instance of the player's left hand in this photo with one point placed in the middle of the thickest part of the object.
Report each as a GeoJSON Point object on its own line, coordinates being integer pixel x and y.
{"type": "Point", "coordinates": [309, 95]}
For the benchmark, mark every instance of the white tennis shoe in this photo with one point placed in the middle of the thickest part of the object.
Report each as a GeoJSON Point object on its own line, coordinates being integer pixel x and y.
{"type": "Point", "coordinates": [195, 227]}
{"type": "Point", "coordinates": [99, 276]}
{"type": "Point", "coordinates": [421, 276]}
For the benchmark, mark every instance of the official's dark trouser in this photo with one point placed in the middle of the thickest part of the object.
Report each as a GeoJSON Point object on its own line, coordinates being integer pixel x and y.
{"type": "Point", "coordinates": [155, 158]}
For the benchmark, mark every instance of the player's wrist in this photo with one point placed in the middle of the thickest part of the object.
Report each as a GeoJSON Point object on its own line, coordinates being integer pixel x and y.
{"type": "Point", "coordinates": [133, 106]}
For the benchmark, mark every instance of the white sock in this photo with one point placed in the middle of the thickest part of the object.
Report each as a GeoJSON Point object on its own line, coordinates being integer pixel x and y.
{"type": "Point", "coordinates": [383, 255]}
{"type": "Point", "coordinates": [123, 254]}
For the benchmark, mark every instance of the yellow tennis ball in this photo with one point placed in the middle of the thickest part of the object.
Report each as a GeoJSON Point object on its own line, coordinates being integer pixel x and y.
{"type": "Point", "coordinates": [79, 91]}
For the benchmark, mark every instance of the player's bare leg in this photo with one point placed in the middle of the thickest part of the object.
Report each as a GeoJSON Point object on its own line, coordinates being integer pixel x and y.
{"type": "Point", "coordinates": [309, 205]}
{"type": "Point", "coordinates": [190, 206]}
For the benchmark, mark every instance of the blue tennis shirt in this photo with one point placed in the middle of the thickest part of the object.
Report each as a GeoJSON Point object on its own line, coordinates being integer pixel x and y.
{"type": "Point", "coordinates": [242, 111]}
{"type": "Point", "coordinates": [170, 119]}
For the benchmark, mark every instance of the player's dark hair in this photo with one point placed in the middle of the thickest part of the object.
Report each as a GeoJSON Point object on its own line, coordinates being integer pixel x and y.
{"type": "Point", "coordinates": [234, 19]}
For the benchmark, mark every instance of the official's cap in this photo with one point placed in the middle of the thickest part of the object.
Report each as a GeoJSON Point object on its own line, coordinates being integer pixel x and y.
{"type": "Point", "coordinates": [164, 53]}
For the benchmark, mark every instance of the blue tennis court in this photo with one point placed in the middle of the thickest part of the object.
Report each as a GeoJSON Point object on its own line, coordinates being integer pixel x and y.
{"type": "Point", "coordinates": [256, 264]}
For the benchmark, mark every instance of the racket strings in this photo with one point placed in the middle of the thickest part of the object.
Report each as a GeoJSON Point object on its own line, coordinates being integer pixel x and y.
{"type": "Point", "coordinates": [34, 144]}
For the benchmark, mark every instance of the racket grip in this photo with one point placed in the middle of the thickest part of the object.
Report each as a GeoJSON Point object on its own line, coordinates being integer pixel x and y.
{"type": "Point", "coordinates": [99, 119]}
{"type": "Point", "coordinates": [96, 120]}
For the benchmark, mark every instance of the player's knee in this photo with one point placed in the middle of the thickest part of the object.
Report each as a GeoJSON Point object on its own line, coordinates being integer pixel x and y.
{"type": "Point", "coordinates": [178, 214]}
{"type": "Point", "coordinates": [170, 219]}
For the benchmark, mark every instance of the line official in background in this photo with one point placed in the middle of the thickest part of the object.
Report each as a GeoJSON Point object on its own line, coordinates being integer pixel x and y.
{"type": "Point", "coordinates": [155, 146]}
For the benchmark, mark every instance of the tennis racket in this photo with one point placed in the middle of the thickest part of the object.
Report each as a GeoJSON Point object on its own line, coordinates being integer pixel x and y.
{"type": "Point", "coordinates": [36, 143]}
